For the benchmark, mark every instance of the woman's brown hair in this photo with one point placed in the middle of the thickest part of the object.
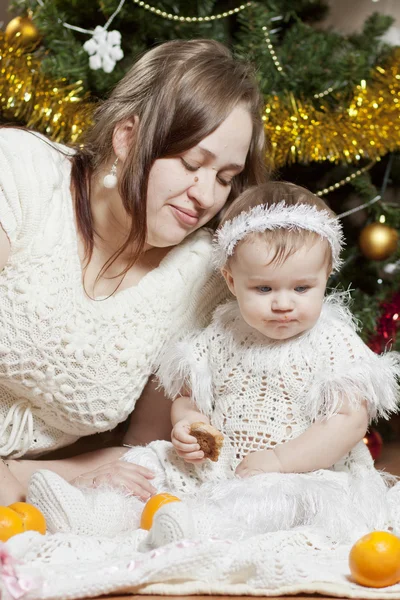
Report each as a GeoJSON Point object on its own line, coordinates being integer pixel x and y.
{"type": "Point", "coordinates": [180, 92]}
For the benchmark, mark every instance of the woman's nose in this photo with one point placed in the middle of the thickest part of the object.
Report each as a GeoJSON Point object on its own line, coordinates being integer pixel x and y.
{"type": "Point", "coordinates": [202, 190]}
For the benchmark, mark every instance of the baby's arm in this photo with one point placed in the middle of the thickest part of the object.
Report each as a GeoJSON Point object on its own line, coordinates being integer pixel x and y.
{"type": "Point", "coordinates": [183, 414]}
{"type": "Point", "coordinates": [324, 443]}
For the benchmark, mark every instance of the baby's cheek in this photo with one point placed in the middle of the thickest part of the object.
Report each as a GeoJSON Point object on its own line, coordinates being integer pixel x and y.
{"type": "Point", "coordinates": [311, 315]}
{"type": "Point", "coordinates": [256, 307]}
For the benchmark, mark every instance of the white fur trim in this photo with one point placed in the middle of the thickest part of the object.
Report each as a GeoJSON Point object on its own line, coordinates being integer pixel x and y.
{"type": "Point", "coordinates": [186, 365]}
{"type": "Point", "coordinates": [373, 379]}
{"type": "Point", "coordinates": [278, 216]}
{"type": "Point", "coordinates": [343, 506]}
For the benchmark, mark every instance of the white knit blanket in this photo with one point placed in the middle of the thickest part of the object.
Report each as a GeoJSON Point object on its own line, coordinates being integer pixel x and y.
{"type": "Point", "coordinates": [64, 566]}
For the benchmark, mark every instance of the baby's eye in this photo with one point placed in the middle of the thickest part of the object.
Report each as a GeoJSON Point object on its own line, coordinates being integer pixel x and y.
{"type": "Point", "coordinates": [264, 289]}
{"type": "Point", "coordinates": [301, 288]}
{"type": "Point", "coordinates": [189, 167]}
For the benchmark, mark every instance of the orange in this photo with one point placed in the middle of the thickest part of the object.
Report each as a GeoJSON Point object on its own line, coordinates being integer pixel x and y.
{"type": "Point", "coordinates": [10, 523]}
{"type": "Point", "coordinates": [152, 506]}
{"type": "Point", "coordinates": [374, 559]}
{"type": "Point", "coordinates": [32, 518]}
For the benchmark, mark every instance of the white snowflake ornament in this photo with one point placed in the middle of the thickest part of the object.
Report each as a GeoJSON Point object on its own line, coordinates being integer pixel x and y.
{"type": "Point", "coordinates": [104, 49]}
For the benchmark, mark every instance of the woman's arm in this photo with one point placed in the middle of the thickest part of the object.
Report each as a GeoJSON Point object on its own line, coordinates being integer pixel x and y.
{"type": "Point", "coordinates": [151, 418]}
{"type": "Point", "coordinates": [10, 488]}
{"type": "Point", "coordinates": [68, 468]}
{"type": "Point", "coordinates": [149, 421]}
{"type": "Point", "coordinates": [4, 248]}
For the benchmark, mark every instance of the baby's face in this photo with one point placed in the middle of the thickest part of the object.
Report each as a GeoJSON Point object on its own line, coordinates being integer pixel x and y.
{"type": "Point", "coordinates": [280, 301]}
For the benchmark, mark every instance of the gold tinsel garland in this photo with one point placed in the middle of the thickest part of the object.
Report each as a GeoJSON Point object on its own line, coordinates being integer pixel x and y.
{"type": "Point", "coordinates": [31, 99]}
{"type": "Point", "coordinates": [367, 127]}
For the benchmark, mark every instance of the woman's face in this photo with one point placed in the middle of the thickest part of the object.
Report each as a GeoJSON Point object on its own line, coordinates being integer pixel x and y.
{"type": "Point", "coordinates": [187, 191]}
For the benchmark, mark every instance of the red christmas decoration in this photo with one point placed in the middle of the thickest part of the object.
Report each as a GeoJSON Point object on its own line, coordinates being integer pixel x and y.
{"type": "Point", "coordinates": [387, 325]}
{"type": "Point", "coordinates": [373, 441]}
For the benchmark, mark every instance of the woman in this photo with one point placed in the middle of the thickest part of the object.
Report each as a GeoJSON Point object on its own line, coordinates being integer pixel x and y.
{"type": "Point", "coordinates": [100, 264]}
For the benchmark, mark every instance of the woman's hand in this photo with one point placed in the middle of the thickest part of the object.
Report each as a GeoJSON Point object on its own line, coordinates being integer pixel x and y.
{"type": "Point", "coordinates": [255, 463]}
{"type": "Point", "coordinates": [185, 444]}
{"type": "Point", "coordinates": [122, 475]}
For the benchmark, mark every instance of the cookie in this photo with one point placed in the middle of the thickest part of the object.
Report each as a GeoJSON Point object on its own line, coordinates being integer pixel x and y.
{"type": "Point", "coordinates": [209, 439]}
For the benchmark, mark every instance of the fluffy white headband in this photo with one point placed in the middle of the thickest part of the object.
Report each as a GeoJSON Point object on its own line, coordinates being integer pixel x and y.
{"type": "Point", "coordinates": [278, 216]}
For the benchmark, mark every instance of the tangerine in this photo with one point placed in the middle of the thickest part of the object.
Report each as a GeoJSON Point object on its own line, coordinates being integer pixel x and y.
{"type": "Point", "coordinates": [10, 523]}
{"type": "Point", "coordinates": [374, 559]}
{"type": "Point", "coordinates": [32, 518]}
{"type": "Point", "coordinates": [152, 506]}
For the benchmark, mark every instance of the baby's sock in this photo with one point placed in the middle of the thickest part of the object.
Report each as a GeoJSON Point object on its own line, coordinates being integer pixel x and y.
{"type": "Point", "coordinates": [95, 512]}
{"type": "Point", "coordinates": [145, 456]}
{"type": "Point", "coordinates": [172, 522]}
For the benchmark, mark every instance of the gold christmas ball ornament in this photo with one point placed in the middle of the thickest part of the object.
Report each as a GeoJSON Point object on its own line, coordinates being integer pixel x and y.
{"type": "Point", "coordinates": [23, 31]}
{"type": "Point", "coordinates": [378, 241]}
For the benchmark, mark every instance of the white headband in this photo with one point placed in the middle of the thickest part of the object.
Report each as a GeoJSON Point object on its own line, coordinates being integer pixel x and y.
{"type": "Point", "coordinates": [278, 216]}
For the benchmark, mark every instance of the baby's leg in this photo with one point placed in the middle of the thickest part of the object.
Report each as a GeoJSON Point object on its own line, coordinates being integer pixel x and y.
{"type": "Point", "coordinates": [101, 511]}
{"type": "Point", "coordinates": [146, 457]}
{"type": "Point", "coordinates": [241, 508]}
{"type": "Point", "coordinates": [233, 509]}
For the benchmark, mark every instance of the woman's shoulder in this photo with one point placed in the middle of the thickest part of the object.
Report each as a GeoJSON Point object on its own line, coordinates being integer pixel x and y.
{"type": "Point", "coordinates": [188, 262]}
{"type": "Point", "coordinates": [31, 158]}
{"type": "Point", "coordinates": [32, 172]}
{"type": "Point", "coordinates": [24, 143]}
{"type": "Point", "coordinates": [196, 288]}
{"type": "Point", "coordinates": [196, 246]}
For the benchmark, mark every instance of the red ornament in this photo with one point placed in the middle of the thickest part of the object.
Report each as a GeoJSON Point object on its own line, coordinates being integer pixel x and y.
{"type": "Point", "coordinates": [387, 325]}
{"type": "Point", "coordinates": [373, 441]}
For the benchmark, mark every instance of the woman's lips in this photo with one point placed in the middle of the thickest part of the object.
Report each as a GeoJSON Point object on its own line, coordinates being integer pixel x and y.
{"type": "Point", "coordinates": [187, 217]}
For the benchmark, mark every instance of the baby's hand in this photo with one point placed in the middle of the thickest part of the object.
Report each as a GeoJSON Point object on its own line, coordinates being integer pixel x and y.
{"type": "Point", "coordinates": [185, 444]}
{"type": "Point", "coordinates": [263, 461]}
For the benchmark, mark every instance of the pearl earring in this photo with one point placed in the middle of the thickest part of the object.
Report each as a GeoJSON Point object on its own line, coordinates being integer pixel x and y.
{"type": "Point", "coordinates": [110, 180]}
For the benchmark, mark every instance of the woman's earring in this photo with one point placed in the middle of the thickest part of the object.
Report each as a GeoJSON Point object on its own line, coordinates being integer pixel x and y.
{"type": "Point", "coordinates": [110, 180]}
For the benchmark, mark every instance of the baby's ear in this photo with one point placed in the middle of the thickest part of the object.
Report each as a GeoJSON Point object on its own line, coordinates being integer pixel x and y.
{"type": "Point", "coordinates": [230, 282]}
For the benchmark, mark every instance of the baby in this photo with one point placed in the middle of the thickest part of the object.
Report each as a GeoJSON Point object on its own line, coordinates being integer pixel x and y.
{"type": "Point", "coordinates": [282, 374]}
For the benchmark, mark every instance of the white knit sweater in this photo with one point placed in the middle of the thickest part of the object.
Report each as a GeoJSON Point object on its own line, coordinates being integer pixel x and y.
{"type": "Point", "coordinates": [70, 366]}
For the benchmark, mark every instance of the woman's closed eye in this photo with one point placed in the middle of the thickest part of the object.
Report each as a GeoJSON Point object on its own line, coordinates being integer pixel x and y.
{"type": "Point", "coordinates": [193, 168]}
{"type": "Point", "coordinates": [188, 166]}
{"type": "Point", "coordinates": [224, 181]}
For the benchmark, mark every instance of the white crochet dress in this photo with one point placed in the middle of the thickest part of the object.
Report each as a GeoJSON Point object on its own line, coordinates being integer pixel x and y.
{"type": "Point", "coordinates": [261, 393]}
{"type": "Point", "coordinates": [70, 366]}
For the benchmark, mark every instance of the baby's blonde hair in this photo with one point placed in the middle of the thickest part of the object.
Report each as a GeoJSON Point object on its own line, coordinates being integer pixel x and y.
{"type": "Point", "coordinates": [285, 241]}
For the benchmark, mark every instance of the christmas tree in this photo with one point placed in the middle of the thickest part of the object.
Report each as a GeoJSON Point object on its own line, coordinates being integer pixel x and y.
{"type": "Point", "coordinates": [332, 105]}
